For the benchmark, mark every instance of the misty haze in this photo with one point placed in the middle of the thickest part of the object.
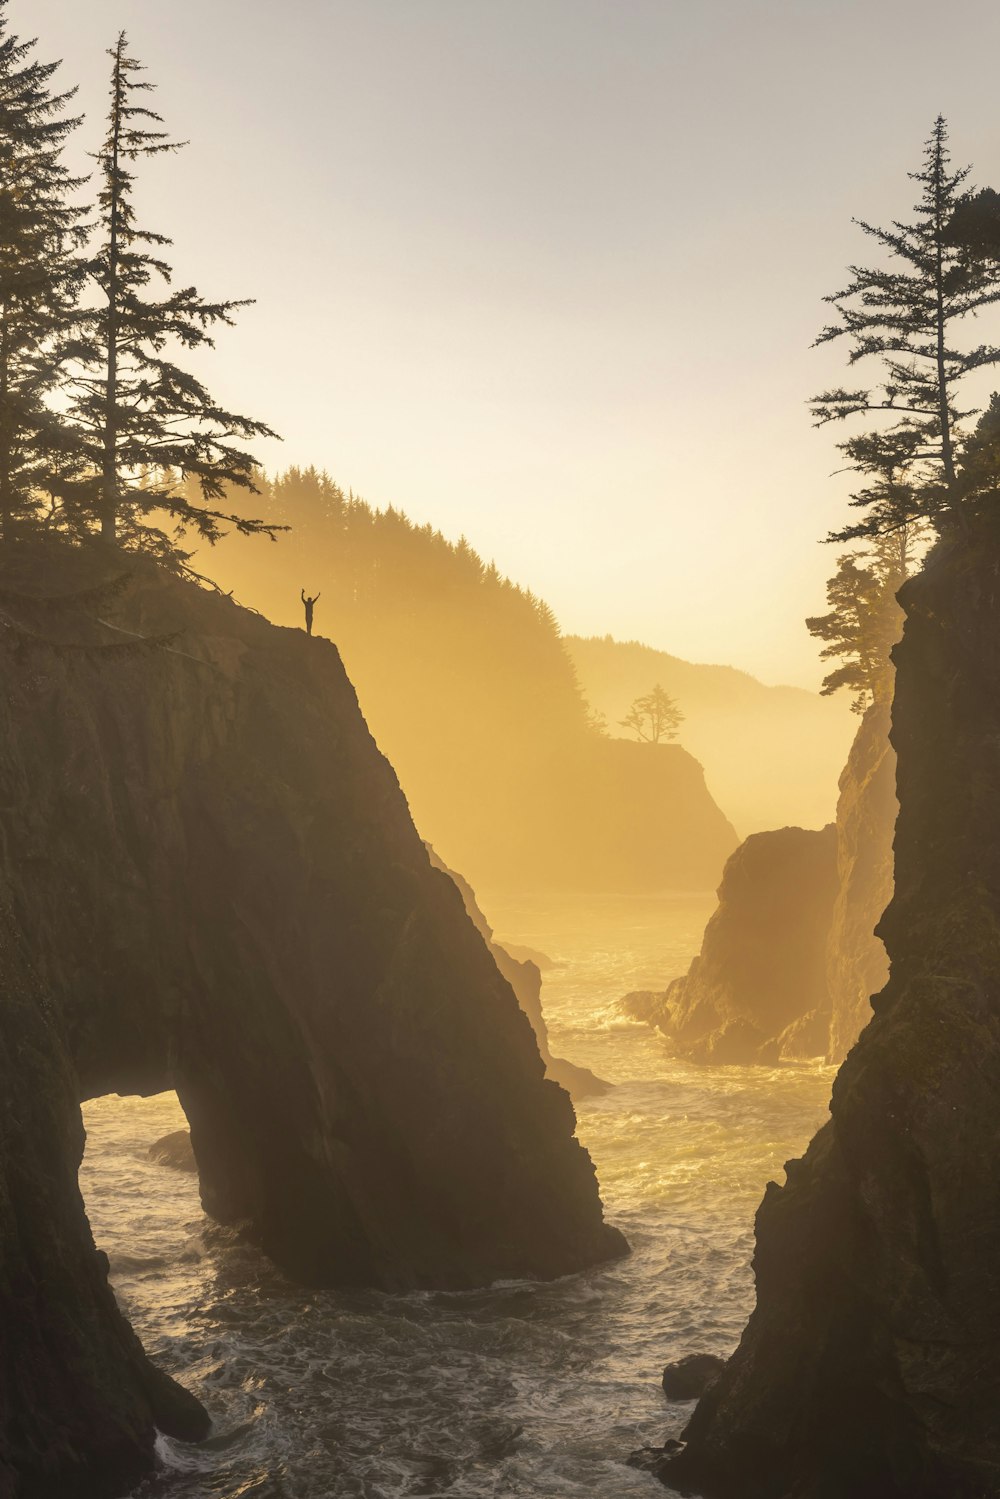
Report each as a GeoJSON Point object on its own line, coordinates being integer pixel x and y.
{"type": "Point", "coordinates": [499, 901]}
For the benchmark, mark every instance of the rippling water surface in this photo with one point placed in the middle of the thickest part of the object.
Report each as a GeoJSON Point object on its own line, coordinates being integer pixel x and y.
{"type": "Point", "coordinates": [521, 1389]}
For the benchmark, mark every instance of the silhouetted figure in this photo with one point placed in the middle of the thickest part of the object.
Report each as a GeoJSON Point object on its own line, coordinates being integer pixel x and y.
{"type": "Point", "coordinates": [309, 610]}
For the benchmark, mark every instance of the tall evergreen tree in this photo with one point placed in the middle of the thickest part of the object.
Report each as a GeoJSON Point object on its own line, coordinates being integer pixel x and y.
{"type": "Point", "coordinates": [41, 234]}
{"type": "Point", "coordinates": [906, 318]}
{"type": "Point", "coordinates": [146, 424]}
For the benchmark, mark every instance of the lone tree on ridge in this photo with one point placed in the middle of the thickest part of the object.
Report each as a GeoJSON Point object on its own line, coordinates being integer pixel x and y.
{"type": "Point", "coordinates": [654, 717]}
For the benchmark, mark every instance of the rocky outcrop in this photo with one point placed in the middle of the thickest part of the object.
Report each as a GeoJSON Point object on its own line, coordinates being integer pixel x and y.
{"type": "Point", "coordinates": [211, 883]}
{"type": "Point", "coordinates": [857, 965]}
{"type": "Point", "coordinates": [79, 1400]}
{"type": "Point", "coordinates": [870, 1368]}
{"type": "Point", "coordinates": [174, 1150]}
{"type": "Point", "coordinates": [689, 1377]}
{"type": "Point", "coordinates": [525, 978]}
{"type": "Point", "coordinates": [757, 991]}
{"type": "Point", "coordinates": [705, 1013]}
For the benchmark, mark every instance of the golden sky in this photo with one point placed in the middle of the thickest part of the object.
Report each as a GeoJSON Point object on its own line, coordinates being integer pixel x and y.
{"type": "Point", "coordinates": [546, 272]}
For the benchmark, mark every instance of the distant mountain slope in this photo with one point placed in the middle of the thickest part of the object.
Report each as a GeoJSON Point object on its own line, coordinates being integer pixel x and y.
{"type": "Point", "coordinates": [468, 688]}
{"type": "Point", "coordinates": [772, 755]}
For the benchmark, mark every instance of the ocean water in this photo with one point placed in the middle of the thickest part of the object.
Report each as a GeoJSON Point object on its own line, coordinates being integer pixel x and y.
{"type": "Point", "coordinates": [518, 1389]}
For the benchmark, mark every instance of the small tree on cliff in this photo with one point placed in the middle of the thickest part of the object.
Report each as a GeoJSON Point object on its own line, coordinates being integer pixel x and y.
{"type": "Point", "coordinates": [145, 423]}
{"type": "Point", "coordinates": [654, 717]}
{"type": "Point", "coordinates": [943, 269]}
{"type": "Point", "coordinates": [40, 274]}
{"type": "Point", "coordinates": [864, 620]}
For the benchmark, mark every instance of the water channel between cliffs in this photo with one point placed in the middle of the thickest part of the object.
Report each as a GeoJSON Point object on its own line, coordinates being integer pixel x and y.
{"type": "Point", "coordinates": [521, 1389]}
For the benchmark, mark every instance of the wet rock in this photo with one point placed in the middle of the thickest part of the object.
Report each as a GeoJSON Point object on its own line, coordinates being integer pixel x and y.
{"type": "Point", "coordinates": [655, 1460]}
{"type": "Point", "coordinates": [689, 1377]}
{"type": "Point", "coordinates": [870, 1367]}
{"type": "Point", "coordinates": [174, 1150]}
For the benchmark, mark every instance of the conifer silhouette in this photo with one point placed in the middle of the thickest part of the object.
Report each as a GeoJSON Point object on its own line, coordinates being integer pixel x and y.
{"type": "Point", "coordinates": [145, 423]}
{"type": "Point", "coordinates": [906, 318]}
{"type": "Point", "coordinates": [41, 270]}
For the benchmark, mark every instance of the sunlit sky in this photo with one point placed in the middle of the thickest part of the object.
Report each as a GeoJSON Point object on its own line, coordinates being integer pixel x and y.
{"type": "Point", "coordinates": [546, 272]}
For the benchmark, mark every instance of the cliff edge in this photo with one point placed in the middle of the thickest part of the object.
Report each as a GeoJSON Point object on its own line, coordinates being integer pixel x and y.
{"type": "Point", "coordinates": [870, 1368]}
{"type": "Point", "coordinates": [210, 882]}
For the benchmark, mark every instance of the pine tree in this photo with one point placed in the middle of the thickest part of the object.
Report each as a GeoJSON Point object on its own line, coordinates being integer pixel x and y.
{"type": "Point", "coordinates": [654, 716]}
{"type": "Point", "coordinates": [906, 319]}
{"type": "Point", "coordinates": [865, 620]}
{"type": "Point", "coordinates": [41, 270]}
{"type": "Point", "coordinates": [146, 424]}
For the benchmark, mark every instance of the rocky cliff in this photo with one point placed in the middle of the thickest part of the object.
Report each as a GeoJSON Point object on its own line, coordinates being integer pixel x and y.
{"type": "Point", "coordinates": [857, 965]}
{"type": "Point", "coordinates": [211, 883]}
{"type": "Point", "coordinates": [767, 940]}
{"type": "Point", "coordinates": [758, 989]}
{"type": "Point", "coordinates": [870, 1368]}
{"type": "Point", "coordinates": [525, 978]}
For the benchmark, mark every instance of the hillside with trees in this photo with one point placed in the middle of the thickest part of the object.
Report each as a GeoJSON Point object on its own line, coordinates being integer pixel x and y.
{"type": "Point", "coordinates": [772, 755]}
{"type": "Point", "coordinates": [467, 685]}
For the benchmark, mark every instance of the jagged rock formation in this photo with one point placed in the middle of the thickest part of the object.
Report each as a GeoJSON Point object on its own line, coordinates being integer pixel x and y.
{"type": "Point", "coordinates": [857, 965]}
{"type": "Point", "coordinates": [757, 991]}
{"type": "Point", "coordinates": [525, 978]}
{"type": "Point", "coordinates": [870, 1368]}
{"type": "Point", "coordinates": [211, 883]}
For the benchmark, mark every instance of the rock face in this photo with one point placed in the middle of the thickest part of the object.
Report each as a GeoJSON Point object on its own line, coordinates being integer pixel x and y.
{"type": "Point", "coordinates": [871, 1365]}
{"type": "Point", "coordinates": [525, 978]}
{"type": "Point", "coordinates": [79, 1400]}
{"type": "Point", "coordinates": [174, 1150]}
{"type": "Point", "coordinates": [857, 965]}
{"type": "Point", "coordinates": [210, 882]}
{"type": "Point", "coordinates": [690, 1377]}
{"type": "Point", "coordinates": [751, 948]}
{"type": "Point", "coordinates": [757, 991]}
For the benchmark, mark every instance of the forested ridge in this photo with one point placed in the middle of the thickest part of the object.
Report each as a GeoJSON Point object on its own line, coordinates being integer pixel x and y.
{"type": "Point", "coordinates": [469, 689]}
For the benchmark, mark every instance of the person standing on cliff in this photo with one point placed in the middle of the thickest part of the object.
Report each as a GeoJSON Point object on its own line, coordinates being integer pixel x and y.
{"type": "Point", "coordinates": [309, 603]}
